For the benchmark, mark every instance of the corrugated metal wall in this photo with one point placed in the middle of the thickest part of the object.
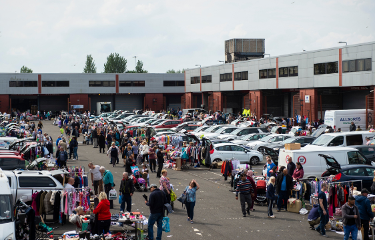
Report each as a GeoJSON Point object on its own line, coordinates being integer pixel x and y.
{"type": "Point", "coordinates": [53, 103]}
{"type": "Point", "coordinates": [129, 102]}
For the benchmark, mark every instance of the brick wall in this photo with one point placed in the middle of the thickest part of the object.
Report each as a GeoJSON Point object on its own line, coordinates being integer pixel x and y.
{"type": "Point", "coordinates": [217, 101]}
{"type": "Point", "coordinates": [309, 110]}
{"type": "Point", "coordinates": [188, 100]}
{"type": "Point", "coordinates": [5, 103]}
{"type": "Point", "coordinates": [155, 101]}
{"type": "Point", "coordinates": [80, 99]}
{"type": "Point", "coordinates": [256, 103]}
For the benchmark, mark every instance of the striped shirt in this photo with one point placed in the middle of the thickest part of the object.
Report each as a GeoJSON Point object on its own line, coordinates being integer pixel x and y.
{"type": "Point", "coordinates": [244, 187]}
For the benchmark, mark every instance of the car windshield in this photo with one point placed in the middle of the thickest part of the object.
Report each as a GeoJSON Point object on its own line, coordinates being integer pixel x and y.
{"type": "Point", "coordinates": [322, 140]}
{"type": "Point", "coordinates": [229, 130]}
{"type": "Point", "coordinates": [6, 210]}
{"type": "Point", "coordinates": [246, 137]}
{"type": "Point", "coordinates": [289, 140]}
{"type": "Point", "coordinates": [236, 131]}
{"type": "Point", "coordinates": [266, 138]}
{"type": "Point", "coordinates": [200, 129]}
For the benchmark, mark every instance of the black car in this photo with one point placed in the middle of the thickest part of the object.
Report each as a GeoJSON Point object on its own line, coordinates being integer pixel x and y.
{"type": "Point", "coordinates": [368, 151]}
{"type": "Point", "coordinates": [303, 140]}
{"type": "Point", "coordinates": [351, 172]}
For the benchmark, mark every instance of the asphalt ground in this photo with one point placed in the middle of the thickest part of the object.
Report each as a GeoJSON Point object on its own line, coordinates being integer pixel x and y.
{"type": "Point", "coordinates": [217, 214]}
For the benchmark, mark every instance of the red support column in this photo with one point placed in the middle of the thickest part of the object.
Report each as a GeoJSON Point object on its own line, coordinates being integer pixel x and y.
{"type": "Point", "coordinates": [232, 76]}
{"type": "Point", "coordinates": [218, 100]}
{"type": "Point", "coordinates": [80, 99]}
{"type": "Point", "coordinates": [256, 103]}
{"type": "Point", "coordinates": [200, 79]}
{"type": "Point", "coordinates": [39, 84]}
{"type": "Point", "coordinates": [5, 103]}
{"type": "Point", "coordinates": [188, 100]}
{"type": "Point", "coordinates": [309, 109]}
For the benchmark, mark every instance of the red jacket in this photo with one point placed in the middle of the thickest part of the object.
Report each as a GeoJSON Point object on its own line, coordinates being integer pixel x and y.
{"type": "Point", "coordinates": [103, 210]}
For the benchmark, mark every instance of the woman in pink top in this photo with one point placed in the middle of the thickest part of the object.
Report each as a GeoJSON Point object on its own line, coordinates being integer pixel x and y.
{"type": "Point", "coordinates": [298, 172]}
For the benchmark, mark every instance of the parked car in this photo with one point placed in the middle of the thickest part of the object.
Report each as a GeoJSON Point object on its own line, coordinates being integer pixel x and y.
{"type": "Point", "coordinates": [342, 139]}
{"type": "Point", "coordinates": [238, 133]}
{"type": "Point", "coordinates": [168, 124]}
{"type": "Point", "coordinates": [11, 161]}
{"type": "Point", "coordinates": [368, 151]}
{"type": "Point", "coordinates": [303, 140]}
{"type": "Point", "coordinates": [223, 130]}
{"type": "Point", "coordinates": [226, 151]}
{"type": "Point", "coordinates": [24, 183]}
{"type": "Point", "coordinates": [218, 141]}
{"type": "Point", "coordinates": [265, 141]}
{"type": "Point", "coordinates": [181, 126]}
{"type": "Point", "coordinates": [200, 129]}
{"type": "Point", "coordinates": [189, 128]}
{"type": "Point", "coordinates": [365, 173]}
{"type": "Point", "coordinates": [248, 138]}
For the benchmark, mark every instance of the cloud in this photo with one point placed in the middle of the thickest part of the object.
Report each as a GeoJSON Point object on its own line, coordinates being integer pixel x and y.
{"type": "Point", "coordinates": [52, 36]}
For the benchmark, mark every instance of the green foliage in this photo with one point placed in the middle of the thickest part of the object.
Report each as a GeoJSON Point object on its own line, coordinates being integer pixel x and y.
{"type": "Point", "coordinates": [115, 64]}
{"type": "Point", "coordinates": [90, 65]}
{"type": "Point", "coordinates": [25, 69]}
{"type": "Point", "coordinates": [178, 71]}
{"type": "Point", "coordinates": [139, 67]}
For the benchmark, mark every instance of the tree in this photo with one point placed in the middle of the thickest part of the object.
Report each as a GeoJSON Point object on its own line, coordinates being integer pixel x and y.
{"type": "Point", "coordinates": [115, 64]}
{"type": "Point", "coordinates": [90, 65]}
{"type": "Point", "coordinates": [171, 71]}
{"type": "Point", "coordinates": [139, 67]}
{"type": "Point", "coordinates": [25, 69]}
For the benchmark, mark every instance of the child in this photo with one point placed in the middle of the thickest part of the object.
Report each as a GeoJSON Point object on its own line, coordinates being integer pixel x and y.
{"type": "Point", "coordinates": [144, 172]}
{"type": "Point", "coordinates": [87, 137]}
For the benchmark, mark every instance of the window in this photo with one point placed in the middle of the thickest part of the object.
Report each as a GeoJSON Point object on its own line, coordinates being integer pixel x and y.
{"type": "Point", "coordinates": [293, 71]}
{"type": "Point", "coordinates": [356, 172]}
{"type": "Point", "coordinates": [355, 158]}
{"type": "Point", "coordinates": [245, 75]}
{"type": "Point", "coordinates": [173, 83]}
{"type": "Point", "coordinates": [325, 68]}
{"type": "Point", "coordinates": [238, 76]}
{"type": "Point", "coordinates": [357, 65]}
{"type": "Point", "coordinates": [238, 149]}
{"type": "Point", "coordinates": [319, 68]}
{"type": "Point", "coordinates": [271, 73]}
{"type": "Point", "coordinates": [101, 83]}
{"type": "Point", "coordinates": [262, 73]}
{"type": "Point", "coordinates": [36, 182]}
{"type": "Point", "coordinates": [55, 83]}
{"type": "Point", "coordinates": [283, 72]}
{"type": "Point", "coordinates": [195, 80]}
{"type": "Point", "coordinates": [223, 148]}
{"type": "Point", "coordinates": [207, 79]}
{"type": "Point", "coordinates": [367, 151]}
{"type": "Point", "coordinates": [337, 141]}
{"type": "Point", "coordinates": [332, 67]}
{"type": "Point", "coordinates": [23, 83]}
{"type": "Point", "coordinates": [370, 171]}
{"type": "Point", "coordinates": [354, 140]}
{"type": "Point", "coordinates": [132, 83]}
{"type": "Point", "coordinates": [226, 77]}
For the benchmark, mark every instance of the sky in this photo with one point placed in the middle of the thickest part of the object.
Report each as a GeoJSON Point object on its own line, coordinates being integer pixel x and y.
{"type": "Point", "coordinates": [55, 36]}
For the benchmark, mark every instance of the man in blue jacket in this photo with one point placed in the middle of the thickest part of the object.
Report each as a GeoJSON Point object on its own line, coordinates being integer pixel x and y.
{"type": "Point", "coordinates": [365, 212]}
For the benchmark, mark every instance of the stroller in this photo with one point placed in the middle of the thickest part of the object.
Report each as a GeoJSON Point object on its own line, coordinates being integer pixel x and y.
{"type": "Point", "coordinates": [261, 198]}
{"type": "Point", "coordinates": [139, 183]}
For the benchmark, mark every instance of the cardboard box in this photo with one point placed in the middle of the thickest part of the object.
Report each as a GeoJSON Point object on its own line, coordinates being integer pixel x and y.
{"type": "Point", "coordinates": [292, 146]}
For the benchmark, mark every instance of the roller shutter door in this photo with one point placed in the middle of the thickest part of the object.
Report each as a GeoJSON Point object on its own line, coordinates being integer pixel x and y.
{"type": "Point", "coordinates": [129, 102]}
{"type": "Point", "coordinates": [354, 99]}
{"type": "Point", "coordinates": [53, 103]}
{"type": "Point", "coordinates": [100, 98]}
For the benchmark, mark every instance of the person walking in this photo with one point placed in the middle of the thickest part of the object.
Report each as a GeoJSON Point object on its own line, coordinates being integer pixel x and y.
{"type": "Point", "coordinates": [352, 127]}
{"type": "Point", "coordinates": [101, 143]}
{"type": "Point", "coordinates": [291, 166]}
{"type": "Point", "coordinates": [152, 158]}
{"type": "Point", "coordinates": [351, 219]}
{"type": "Point", "coordinates": [144, 151]}
{"type": "Point", "coordinates": [104, 215]}
{"type": "Point", "coordinates": [126, 191]}
{"type": "Point", "coordinates": [95, 137]}
{"type": "Point", "coordinates": [108, 183]}
{"type": "Point", "coordinates": [246, 191]}
{"type": "Point", "coordinates": [160, 158]}
{"type": "Point", "coordinates": [62, 157]}
{"type": "Point", "coordinates": [190, 192]}
{"type": "Point", "coordinates": [269, 166]}
{"type": "Point", "coordinates": [74, 144]}
{"type": "Point", "coordinates": [114, 151]}
{"type": "Point", "coordinates": [96, 178]}
{"type": "Point", "coordinates": [365, 212]}
{"type": "Point", "coordinates": [270, 194]}
{"type": "Point", "coordinates": [156, 203]}
{"type": "Point", "coordinates": [323, 210]}
{"type": "Point", "coordinates": [284, 185]}
{"type": "Point", "coordinates": [165, 185]}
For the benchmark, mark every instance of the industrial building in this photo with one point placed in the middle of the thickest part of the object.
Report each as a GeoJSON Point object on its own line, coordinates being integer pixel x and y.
{"type": "Point", "coordinates": [305, 83]}
{"type": "Point", "coordinates": [59, 91]}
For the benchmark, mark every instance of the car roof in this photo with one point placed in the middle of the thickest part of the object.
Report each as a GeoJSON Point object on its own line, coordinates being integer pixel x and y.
{"type": "Point", "coordinates": [350, 166]}
{"type": "Point", "coordinates": [348, 133]}
{"type": "Point", "coordinates": [229, 143]}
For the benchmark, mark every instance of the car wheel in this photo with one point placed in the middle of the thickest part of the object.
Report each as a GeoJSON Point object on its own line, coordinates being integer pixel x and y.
{"type": "Point", "coordinates": [254, 161]}
{"type": "Point", "coordinates": [217, 160]}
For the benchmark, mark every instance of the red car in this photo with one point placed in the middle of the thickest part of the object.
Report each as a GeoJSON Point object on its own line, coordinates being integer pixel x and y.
{"type": "Point", "coordinates": [168, 124]}
{"type": "Point", "coordinates": [131, 129]}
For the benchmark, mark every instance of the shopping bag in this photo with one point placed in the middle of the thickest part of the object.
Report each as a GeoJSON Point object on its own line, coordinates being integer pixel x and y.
{"type": "Point", "coordinates": [166, 227]}
{"type": "Point", "coordinates": [120, 199]}
{"type": "Point", "coordinates": [112, 194]}
{"type": "Point", "coordinates": [134, 169]}
{"type": "Point", "coordinates": [168, 207]}
{"type": "Point", "coordinates": [173, 196]}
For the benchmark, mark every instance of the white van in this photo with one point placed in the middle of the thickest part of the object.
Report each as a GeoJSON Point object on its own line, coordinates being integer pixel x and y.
{"type": "Point", "coordinates": [314, 165]}
{"type": "Point", "coordinates": [7, 221]}
{"type": "Point", "coordinates": [343, 118]}
{"type": "Point", "coordinates": [6, 141]}
{"type": "Point", "coordinates": [342, 139]}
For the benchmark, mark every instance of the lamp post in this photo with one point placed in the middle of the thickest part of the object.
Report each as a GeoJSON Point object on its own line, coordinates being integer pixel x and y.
{"type": "Point", "coordinates": [345, 43]}
{"type": "Point", "coordinates": [198, 65]}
